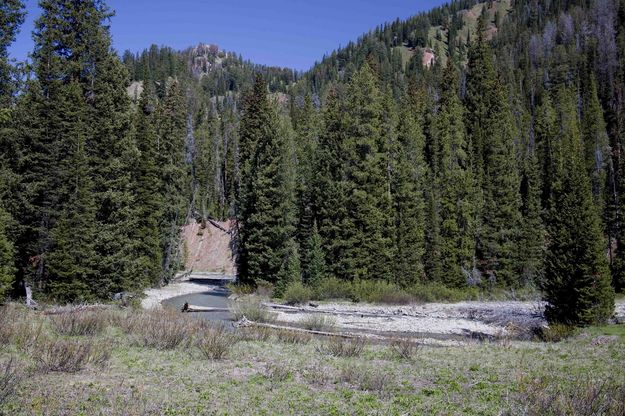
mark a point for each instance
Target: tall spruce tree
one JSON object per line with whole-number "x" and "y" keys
{"x": 596, "y": 142}
{"x": 71, "y": 263}
{"x": 455, "y": 185}
{"x": 77, "y": 110}
{"x": 330, "y": 188}
{"x": 407, "y": 184}
{"x": 266, "y": 194}
{"x": 577, "y": 278}
{"x": 11, "y": 17}
{"x": 175, "y": 181}
{"x": 368, "y": 250}
{"x": 307, "y": 132}
{"x": 532, "y": 234}
{"x": 148, "y": 200}
{"x": 492, "y": 132}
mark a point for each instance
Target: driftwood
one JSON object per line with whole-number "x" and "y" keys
{"x": 194, "y": 308}
{"x": 244, "y": 323}
{"x": 294, "y": 309}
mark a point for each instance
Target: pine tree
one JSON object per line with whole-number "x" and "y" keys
{"x": 175, "y": 182}
{"x": 148, "y": 200}
{"x": 266, "y": 195}
{"x": 11, "y": 17}
{"x": 492, "y": 132}
{"x": 7, "y": 257}
{"x": 595, "y": 139}
{"x": 546, "y": 131}
{"x": 455, "y": 185}
{"x": 290, "y": 269}
{"x": 407, "y": 184}
{"x": 577, "y": 279}
{"x": 532, "y": 238}
{"x": 77, "y": 110}
{"x": 307, "y": 131}
{"x": 316, "y": 268}
{"x": 330, "y": 188}
{"x": 72, "y": 259}
{"x": 369, "y": 207}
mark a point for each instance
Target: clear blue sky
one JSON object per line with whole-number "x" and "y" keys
{"x": 290, "y": 33}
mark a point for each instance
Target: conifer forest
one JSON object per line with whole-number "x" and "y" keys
{"x": 428, "y": 220}
{"x": 467, "y": 151}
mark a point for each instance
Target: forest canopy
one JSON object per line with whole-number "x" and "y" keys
{"x": 475, "y": 146}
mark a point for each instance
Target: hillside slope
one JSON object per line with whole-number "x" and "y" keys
{"x": 209, "y": 249}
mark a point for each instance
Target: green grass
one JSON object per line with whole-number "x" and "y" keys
{"x": 607, "y": 330}
{"x": 273, "y": 377}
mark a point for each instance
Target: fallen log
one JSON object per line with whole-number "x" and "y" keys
{"x": 194, "y": 308}
{"x": 244, "y": 323}
{"x": 287, "y": 308}
{"x": 217, "y": 225}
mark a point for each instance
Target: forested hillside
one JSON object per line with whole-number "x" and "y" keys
{"x": 476, "y": 146}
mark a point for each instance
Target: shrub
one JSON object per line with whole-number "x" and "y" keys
{"x": 581, "y": 397}
{"x": 254, "y": 333}
{"x": 296, "y": 293}
{"x": 379, "y": 291}
{"x": 265, "y": 289}
{"x": 555, "y": 332}
{"x": 277, "y": 372}
{"x": 437, "y": 292}
{"x": 292, "y": 337}
{"x": 70, "y": 355}
{"x": 10, "y": 377}
{"x": 365, "y": 378}
{"x": 318, "y": 322}
{"x": 20, "y": 327}
{"x": 331, "y": 288}
{"x": 341, "y": 347}
{"x": 162, "y": 329}
{"x": 240, "y": 289}
{"x": 404, "y": 348}
{"x": 215, "y": 343}
{"x": 251, "y": 308}
{"x": 80, "y": 323}
{"x": 373, "y": 291}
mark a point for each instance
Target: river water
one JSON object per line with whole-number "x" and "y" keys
{"x": 214, "y": 297}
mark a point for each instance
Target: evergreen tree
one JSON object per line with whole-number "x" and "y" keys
{"x": 148, "y": 200}
{"x": 330, "y": 188}
{"x": 369, "y": 207}
{"x": 290, "y": 270}
{"x": 546, "y": 132}
{"x": 407, "y": 184}
{"x": 316, "y": 269}
{"x": 171, "y": 149}
{"x": 577, "y": 280}
{"x": 455, "y": 184}
{"x": 492, "y": 132}
{"x": 7, "y": 257}
{"x": 266, "y": 196}
{"x": 307, "y": 131}
{"x": 595, "y": 139}
{"x": 11, "y": 17}
{"x": 72, "y": 259}
{"x": 532, "y": 233}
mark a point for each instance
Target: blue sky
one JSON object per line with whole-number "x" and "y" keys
{"x": 291, "y": 33}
